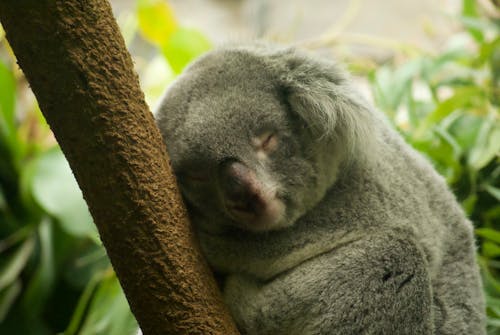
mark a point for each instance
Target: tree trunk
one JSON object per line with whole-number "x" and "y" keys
{"x": 75, "y": 60}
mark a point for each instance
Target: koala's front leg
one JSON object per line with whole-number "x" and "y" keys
{"x": 375, "y": 285}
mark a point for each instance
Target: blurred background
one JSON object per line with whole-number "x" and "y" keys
{"x": 432, "y": 67}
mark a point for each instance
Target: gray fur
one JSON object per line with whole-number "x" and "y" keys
{"x": 371, "y": 240}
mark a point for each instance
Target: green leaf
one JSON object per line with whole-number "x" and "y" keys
{"x": 8, "y": 137}
{"x": 3, "y": 201}
{"x": 82, "y": 306}
{"x": 491, "y": 284}
{"x": 469, "y": 203}
{"x": 12, "y": 265}
{"x": 390, "y": 87}
{"x": 16, "y": 237}
{"x": 487, "y": 145}
{"x": 488, "y": 233}
{"x": 465, "y": 129}
{"x": 42, "y": 282}
{"x": 491, "y": 249}
{"x": 462, "y": 98}
{"x": 8, "y": 297}
{"x": 81, "y": 269}
{"x": 417, "y": 109}
{"x": 442, "y": 150}
{"x": 494, "y": 191}
{"x": 452, "y": 56}
{"x": 493, "y": 302}
{"x": 469, "y": 10}
{"x": 450, "y": 140}
{"x": 55, "y": 189}
{"x": 7, "y": 100}
{"x": 183, "y": 46}
{"x": 492, "y": 213}
{"x": 109, "y": 312}
{"x": 494, "y": 322}
{"x": 494, "y": 60}
{"x": 156, "y": 20}
{"x": 475, "y": 23}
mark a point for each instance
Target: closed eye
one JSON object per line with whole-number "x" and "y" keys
{"x": 194, "y": 177}
{"x": 266, "y": 143}
{"x": 270, "y": 142}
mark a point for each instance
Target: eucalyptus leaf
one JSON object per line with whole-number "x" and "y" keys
{"x": 469, "y": 10}
{"x": 462, "y": 98}
{"x": 493, "y": 322}
{"x": 109, "y": 312}
{"x": 55, "y": 189}
{"x": 83, "y": 305}
{"x": 91, "y": 260}
{"x": 11, "y": 265}
{"x": 7, "y": 117}
{"x": 493, "y": 302}
{"x": 8, "y": 296}
{"x": 487, "y": 146}
{"x": 491, "y": 249}
{"x": 182, "y": 46}
{"x": 7, "y": 99}
{"x": 491, "y": 284}
{"x": 493, "y": 213}
{"x": 494, "y": 191}
{"x": 390, "y": 87}
{"x": 488, "y": 233}
{"x": 465, "y": 129}
{"x": 469, "y": 203}
{"x": 41, "y": 283}
{"x": 156, "y": 20}
{"x": 3, "y": 201}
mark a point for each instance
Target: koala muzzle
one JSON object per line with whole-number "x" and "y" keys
{"x": 242, "y": 192}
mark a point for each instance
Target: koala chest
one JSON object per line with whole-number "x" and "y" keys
{"x": 285, "y": 304}
{"x": 266, "y": 308}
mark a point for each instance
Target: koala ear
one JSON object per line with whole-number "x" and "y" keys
{"x": 320, "y": 93}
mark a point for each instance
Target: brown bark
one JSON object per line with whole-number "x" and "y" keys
{"x": 75, "y": 59}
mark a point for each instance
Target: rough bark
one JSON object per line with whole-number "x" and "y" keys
{"x": 74, "y": 57}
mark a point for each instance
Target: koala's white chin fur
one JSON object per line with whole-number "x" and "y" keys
{"x": 271, "y": 217}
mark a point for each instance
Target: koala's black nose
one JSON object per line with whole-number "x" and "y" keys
{"x": 241, "y": 190}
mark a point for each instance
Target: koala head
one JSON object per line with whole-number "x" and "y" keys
{"x": 257, "y": 135}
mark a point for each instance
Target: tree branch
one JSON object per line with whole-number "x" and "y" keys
{"x": 74, "y": 57}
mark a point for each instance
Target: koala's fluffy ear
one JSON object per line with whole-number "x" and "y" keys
{"x": 320, "y": 93}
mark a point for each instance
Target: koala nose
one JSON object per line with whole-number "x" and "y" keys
{"x": 242, "y": 191}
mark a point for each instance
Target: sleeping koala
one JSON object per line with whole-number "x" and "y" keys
{"x": 320, "y": 218}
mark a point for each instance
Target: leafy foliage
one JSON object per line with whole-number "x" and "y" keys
{"x": 179, "y": 45}
{"x": 54, "y": 274}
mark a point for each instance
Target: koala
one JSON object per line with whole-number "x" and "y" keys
{"x": 317, "y": 215}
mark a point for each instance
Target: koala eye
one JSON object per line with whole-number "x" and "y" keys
{"x": 271, "y": 142}
{"x": 266, "y": 142}
{"x": 194, "y": 177}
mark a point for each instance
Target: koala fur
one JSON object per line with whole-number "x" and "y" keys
{"x": 318, "y": 215}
